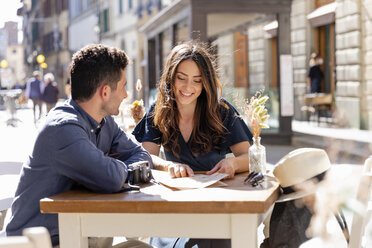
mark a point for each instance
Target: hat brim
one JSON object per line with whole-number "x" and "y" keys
{"x": 293, "y": 196}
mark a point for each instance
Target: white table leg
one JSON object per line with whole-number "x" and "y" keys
{"x": 70, "y": 234}
{"x": 244, "y": 230}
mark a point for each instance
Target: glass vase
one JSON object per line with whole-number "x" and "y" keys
{"x": 257, "y": 156}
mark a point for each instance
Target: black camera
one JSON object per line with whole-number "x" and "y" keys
{"x": 139, "y": 172}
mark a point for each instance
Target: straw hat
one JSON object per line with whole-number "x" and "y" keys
{"x": 298, "y": 167}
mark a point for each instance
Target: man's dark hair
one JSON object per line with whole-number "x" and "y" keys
{"x": 95, "y": 65}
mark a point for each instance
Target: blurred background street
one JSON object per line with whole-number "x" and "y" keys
{"x": 330, "y": 37}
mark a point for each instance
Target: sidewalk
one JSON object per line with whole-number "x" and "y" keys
{"x": 16, "y": 142}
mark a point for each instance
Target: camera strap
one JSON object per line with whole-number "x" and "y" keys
{"x": 128, "y": 187}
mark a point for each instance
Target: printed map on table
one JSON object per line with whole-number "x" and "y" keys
{"x": 195, "y": 182}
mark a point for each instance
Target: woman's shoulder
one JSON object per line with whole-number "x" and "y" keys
{"x": 226, "y": 107}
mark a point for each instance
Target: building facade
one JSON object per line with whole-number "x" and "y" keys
{"x": 15, "y": 58}
{"x": 340, "y": 31}
{"x": 125, "y": 36}
{"x": 55, "y": 39}
{"x": 255, "y": 43}
{"x": 12, "y": 31}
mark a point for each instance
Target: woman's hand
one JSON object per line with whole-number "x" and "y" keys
{"x": 224, "y": 166}
{"x": 179, "y": 170}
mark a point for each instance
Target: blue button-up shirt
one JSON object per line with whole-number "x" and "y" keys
{"x": 71, "y": 148}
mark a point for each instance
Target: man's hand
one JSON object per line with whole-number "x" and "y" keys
{"x": 180, "y": 170}
{"x": 224, "y": 166}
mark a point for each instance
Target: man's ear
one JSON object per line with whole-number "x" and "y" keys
{"x": 105, "y": 92}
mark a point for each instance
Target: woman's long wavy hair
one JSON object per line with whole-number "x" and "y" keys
{"x": 208, "y": 127}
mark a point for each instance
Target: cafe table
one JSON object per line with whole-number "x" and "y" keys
{"x": 230, "y": 212}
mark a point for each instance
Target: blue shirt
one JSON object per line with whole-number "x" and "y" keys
{"x": 71, "y": 148}
{"x": 237, "y": 131}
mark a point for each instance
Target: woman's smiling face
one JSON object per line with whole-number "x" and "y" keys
{"x": 188, "y": 83}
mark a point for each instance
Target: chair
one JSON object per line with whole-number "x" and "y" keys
{"x": 360, "y": 220}
{"x": 9, "y": 177}
{"x": 34, "y": 237}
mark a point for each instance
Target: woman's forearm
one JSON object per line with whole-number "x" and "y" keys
{"x": 241, "y": 163}
{"x": 159, "y": 164}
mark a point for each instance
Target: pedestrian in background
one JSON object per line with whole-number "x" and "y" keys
{"x": 315, "y": 74}
{"x": 51, "y": 93}
{"x": 34, "y": 91}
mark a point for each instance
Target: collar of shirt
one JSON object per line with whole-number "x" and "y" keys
{"x": 95, "y": 127}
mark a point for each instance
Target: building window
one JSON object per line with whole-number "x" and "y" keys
{"x": 182, "y": 31}
{"x": 166, "y": 45}
{"x": 104, "y": 21}
{"x": 130, "y": 4}
{"x": 75, "y": 9}
{"x": 149, "y": 7}
{"x": 48, "y": 43}
{"x": 58, "y": 6}
{"x": 120, "y": 7}
{"x": 140, "y": 8}
{"x": 35, "y": 32}
{"x": 64, "y": 4}
{"x": 47, "y": 8}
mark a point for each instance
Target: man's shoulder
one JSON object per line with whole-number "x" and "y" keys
{"x": 64, "y": 114}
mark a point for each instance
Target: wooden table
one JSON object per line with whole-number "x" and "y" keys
{"x": 230, "y": 212}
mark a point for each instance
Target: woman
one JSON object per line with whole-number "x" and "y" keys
{"x": 194, "y": 125}
{"x": 51, "y": 93}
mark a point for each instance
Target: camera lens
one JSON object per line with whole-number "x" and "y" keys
{"x": 145, "y": 174}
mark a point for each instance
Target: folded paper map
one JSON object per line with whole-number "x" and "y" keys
{"x": 194, "y": 182}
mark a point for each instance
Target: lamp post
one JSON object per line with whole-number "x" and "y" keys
{"x": 4, "y": 64}
{"x": 41, "y": 61}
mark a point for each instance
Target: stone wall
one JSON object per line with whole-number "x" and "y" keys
{"x": 349, "y": 61}
{"x": 225, "y": 59}
{"x": 300, "y": 49}
{"x": 366, "y": 111}
{"x": 256, "y": 56}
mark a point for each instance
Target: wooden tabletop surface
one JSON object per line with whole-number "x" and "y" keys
{"x": 237, "y": 197}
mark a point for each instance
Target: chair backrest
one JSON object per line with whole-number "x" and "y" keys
{"x": 9, "y": 177}
{"x": 34, "y": 237}
{"x": 10, "y": 167}
{"x": 363, "y": 194}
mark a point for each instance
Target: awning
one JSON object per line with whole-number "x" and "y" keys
{"x": 323, "y": 15}
{"x": 271, "y": 29}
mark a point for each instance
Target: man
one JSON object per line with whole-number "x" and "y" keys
{"x": 79, "y": 143}
{"x": 34, "y": 91}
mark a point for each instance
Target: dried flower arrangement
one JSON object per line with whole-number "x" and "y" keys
{"x": 257, "y": 113}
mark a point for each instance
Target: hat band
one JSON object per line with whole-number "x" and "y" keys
{"x": 291, "y": 189}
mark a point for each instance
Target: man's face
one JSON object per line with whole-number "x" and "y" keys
{"x": 117, "y": 96}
